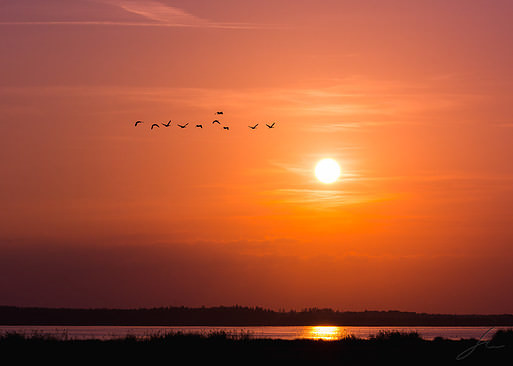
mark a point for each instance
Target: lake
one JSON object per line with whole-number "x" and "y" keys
{"x": 272, "y": 332}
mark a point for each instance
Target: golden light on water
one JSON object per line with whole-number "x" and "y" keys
{"x": 327, "y": 333}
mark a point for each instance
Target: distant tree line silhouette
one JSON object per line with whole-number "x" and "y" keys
{"x": 238, "y": 316}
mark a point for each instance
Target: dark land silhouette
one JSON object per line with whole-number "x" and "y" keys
{"x": 389, "y": 348}
{"x": 238, "y": 316}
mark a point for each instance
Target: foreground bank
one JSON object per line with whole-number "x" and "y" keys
{"x": 388, "y": 348}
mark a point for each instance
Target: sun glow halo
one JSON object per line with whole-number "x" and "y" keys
{"x": 327, "y": 170}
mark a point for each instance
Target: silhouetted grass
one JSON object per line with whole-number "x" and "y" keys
{"x": 388, "y": 347}
{"x": 503, "y": 336}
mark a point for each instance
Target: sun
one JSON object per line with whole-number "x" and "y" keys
{"x": 326, "y": 333}
{"x": 327, "y": 170}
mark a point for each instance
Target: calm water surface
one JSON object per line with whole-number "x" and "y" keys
{"x": 290, "y": 332}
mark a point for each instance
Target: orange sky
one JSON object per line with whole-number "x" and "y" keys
{"x": 413, "y": 99}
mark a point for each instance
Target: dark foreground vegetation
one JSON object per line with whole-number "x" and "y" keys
{"x": 389, "y": 348}
{"x": 239, "y": 316}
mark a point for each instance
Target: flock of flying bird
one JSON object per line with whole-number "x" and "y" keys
{"x": 201, "y": 126}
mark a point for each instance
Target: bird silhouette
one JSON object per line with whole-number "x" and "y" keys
{"x": 154, "y": 125}
{"x": 136, "y": 123}
{"x": 219, "y": 112}
{"x": 216, "y": 121}
{"x": 183, "y": 126}
{"x": 226, "y": 128}
{"x": 167, "y": 125}
{"x": 253, "y": 127}
{"x": 200, "y": 126}
{"x": 270, "y": 126}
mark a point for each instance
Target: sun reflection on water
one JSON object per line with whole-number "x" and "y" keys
{"x": 326, "y": 333}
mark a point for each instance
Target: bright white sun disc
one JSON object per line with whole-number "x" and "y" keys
{"x": 327, "y": 170}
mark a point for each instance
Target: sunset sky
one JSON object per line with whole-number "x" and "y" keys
{"x": 413, "y": 99}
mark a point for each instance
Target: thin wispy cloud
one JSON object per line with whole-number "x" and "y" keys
{"x": 351, "y": 125}
{"x": 448, "y": 188}
{"x": 95, "y": 22}
{"x": 148, "y": 14}
{"x": 322, "y": 198}
{"x": 156, "y": 11}
{"x": 167, "y": 15}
